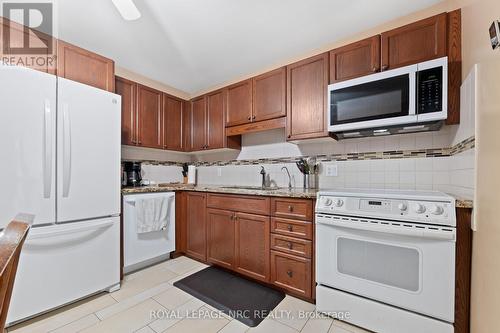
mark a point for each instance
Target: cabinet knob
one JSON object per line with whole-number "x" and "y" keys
{"x": 290, "y": 228}
{"x": 384, "y": 67}
{"x": 290, "y": 208}
{"x": 249, "y": 118}
{"x": 253, "y": 117}
{"x": 289, "y": 273}
{"x": 289, "y": 136}
{"x": 290, "y": 246}
{"x": 374, "y": 69}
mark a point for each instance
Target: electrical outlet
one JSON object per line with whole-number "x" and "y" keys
{"x": 219, "y": 172}
{"x": 331, "y": 170}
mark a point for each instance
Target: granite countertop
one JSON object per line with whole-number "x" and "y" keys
{"x": 273, "y": 192}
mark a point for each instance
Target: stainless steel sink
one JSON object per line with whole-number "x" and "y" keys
{"x": 257, "y": 188}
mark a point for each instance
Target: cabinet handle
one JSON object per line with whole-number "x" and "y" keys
{"x": 232, "y": 217}
{"x": 290, "y": 228}
{"x": 253, "y": 117}
{"x": 290, "y": 208}
{"x": 289, "y": 273}
{"x": 374, "y": 69}
{"x": 384, "y": 67}
{"x": 290, "y": 246}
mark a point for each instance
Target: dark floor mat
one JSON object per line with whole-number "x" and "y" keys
{"x": 242, "y": 299}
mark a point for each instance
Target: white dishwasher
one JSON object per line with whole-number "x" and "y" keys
{"x": 144, "y": 249}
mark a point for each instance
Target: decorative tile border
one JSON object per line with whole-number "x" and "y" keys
{"x": 392, "y": 154}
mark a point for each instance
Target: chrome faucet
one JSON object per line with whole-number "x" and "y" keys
{"x": 289, "y": 178}
{"x": 263, "y": 173}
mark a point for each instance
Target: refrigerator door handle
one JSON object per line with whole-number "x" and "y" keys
{"x": 43, "y": 235}
{"x": 66, "y": 150}
{"x": 47, "y": 147}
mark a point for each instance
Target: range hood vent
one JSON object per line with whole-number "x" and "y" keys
{"x": 393, "y": 130}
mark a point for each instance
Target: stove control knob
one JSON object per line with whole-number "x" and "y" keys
{"x": 419, "y": 208}
{"x": 436, "y": 210}
{"x": 326, "y": 201}
{"x": 402, "y": 207}
{"x": 339, "y": 202}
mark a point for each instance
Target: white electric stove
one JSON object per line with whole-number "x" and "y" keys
{"x": 387, "y": 258}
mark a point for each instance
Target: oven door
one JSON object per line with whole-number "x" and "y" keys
{"x": 411, "y": 266}
{"x": 377, "y": 100}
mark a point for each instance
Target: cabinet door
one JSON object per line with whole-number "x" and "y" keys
{"x": 414, "y": 43}
{"x": 199, "y": 121}
{"x": 215, "y": 120}
{"x": 239, "y": 103}
{"x": 77, "y": 64}
{"x": 187, "y": 118}
{"x": 128, "y": 91}
{"x": 252, "y": 246}
{"x": 307, "y": 83}
{"x": 196, "y": 244}
{"x": 149, "y": 114}
{"x": 172, "y": 123}
{"x": 220, "y": 237}
{"x": 269, "y": 95}
{"x": 355, "y": 60}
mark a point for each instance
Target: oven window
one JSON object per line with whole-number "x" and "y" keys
{"x": 389, "y": 265}
{"x": 369, "y": 101}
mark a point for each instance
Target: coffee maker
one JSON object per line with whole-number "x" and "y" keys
{"x": 132, "y": 173}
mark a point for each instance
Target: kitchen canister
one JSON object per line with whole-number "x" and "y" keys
{"x": 191, "y": 177}
{"x": 310, "y": 180}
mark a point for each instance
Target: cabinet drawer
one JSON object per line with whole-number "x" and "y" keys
{"x": 291, "y": 245}
{"x": 244, "y": 204}
{"x": 294, "y": 228}
{"x": 293, "y": 208}
{"x": 291, "y": 273}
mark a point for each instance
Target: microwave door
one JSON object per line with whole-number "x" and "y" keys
{"x": 377, "y": 100}
{"x": 432, "y": 90}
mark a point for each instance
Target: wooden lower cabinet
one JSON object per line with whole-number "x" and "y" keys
{"x": 252, "y": 245}
{"x": 220, "y": 237}
{"x": 196, "y": 242}
{"x": 292, "y": 273}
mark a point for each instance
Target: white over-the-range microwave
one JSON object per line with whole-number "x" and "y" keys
{"x": 403, "y": 100}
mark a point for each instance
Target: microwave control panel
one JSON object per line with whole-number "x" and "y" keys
{"x": 430, "y": 90}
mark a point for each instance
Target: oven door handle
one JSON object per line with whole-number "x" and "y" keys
{"x": 394, "y": 230}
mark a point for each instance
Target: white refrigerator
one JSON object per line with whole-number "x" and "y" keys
{"x": 60, "y": 161}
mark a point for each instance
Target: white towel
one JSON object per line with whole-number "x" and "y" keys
{"x": 153, "y": 214}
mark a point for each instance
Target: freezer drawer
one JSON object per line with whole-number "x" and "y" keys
{"x": 62, "y": 263}
{"x": 140, "y": 250}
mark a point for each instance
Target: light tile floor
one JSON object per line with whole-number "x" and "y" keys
{"x": 151, "y": 289}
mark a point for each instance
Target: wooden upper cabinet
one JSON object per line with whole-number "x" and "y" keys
{"x": 413, "y": 43}
{"x": 253, "y": 246}
{"x": 77, "y": 64}
{"x": 239, "y": 103}
{"x": 186, "y": 126}
{"x": 149, "y": 108}
{"x": 128, "y": 91}
{"x": 355, "y": 60}
{"x": 196, "y": 228}
{"x": 172, "y": 123}
{"x": 220, "y": 237}
{"x": 269, "y": 95}
{"x": 215, "y": 120}
{"x": 198, "y": 121}
{"x": 307, "y": 83}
